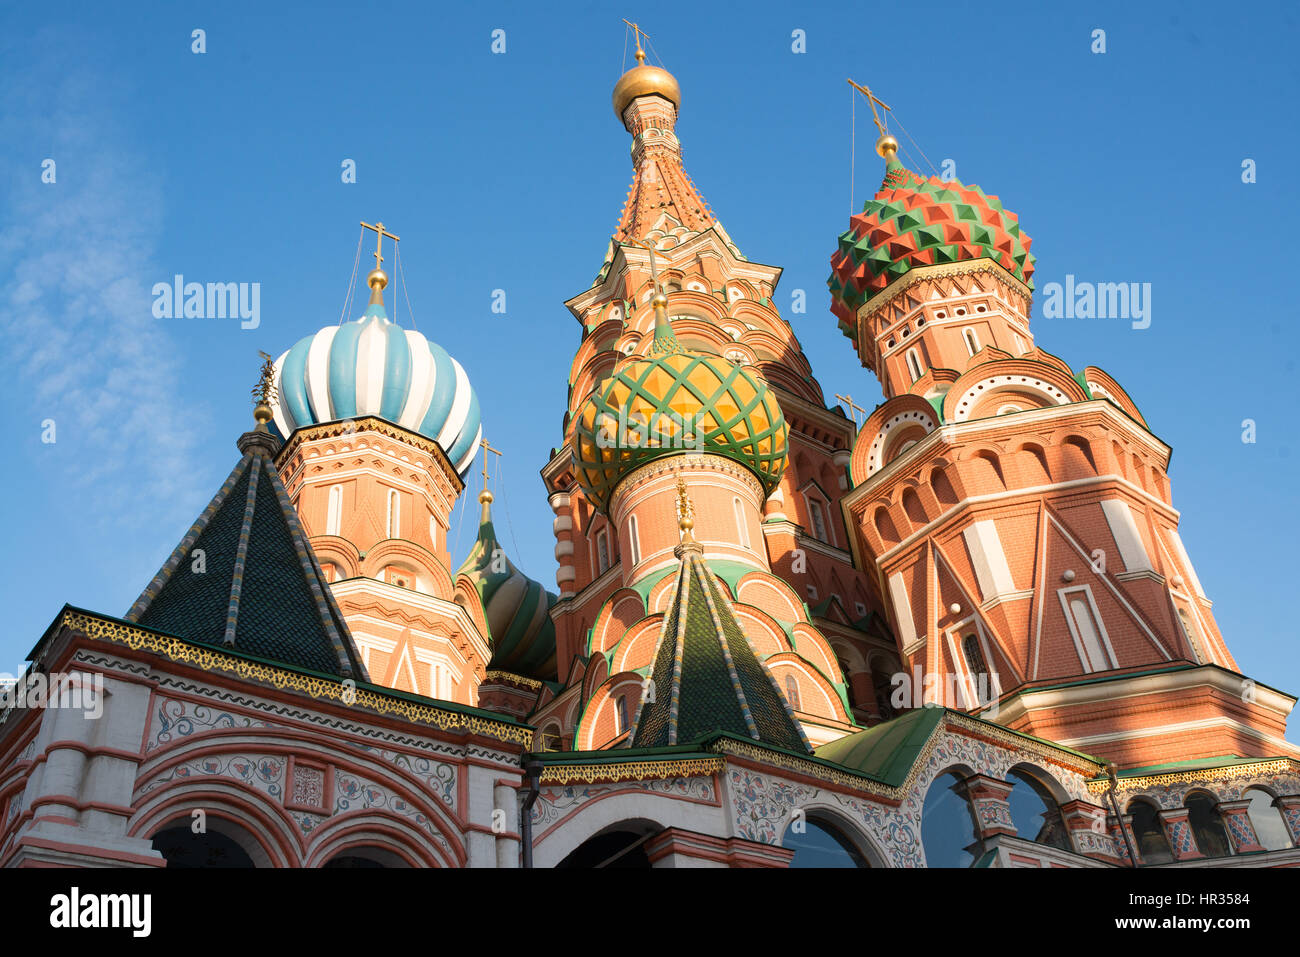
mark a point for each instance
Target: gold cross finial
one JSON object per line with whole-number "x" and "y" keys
{"x": 685, "y": 511}
{"x": 873, "y": 100}
{"x": 854, "y": 408}
{"x": 640, "y": 54}
{"x": 380, "y": 233}
{"x": 265, "y": 392}
{"x": 486, "y": 449}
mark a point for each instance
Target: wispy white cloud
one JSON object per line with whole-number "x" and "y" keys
{"x": 76, "y": 261}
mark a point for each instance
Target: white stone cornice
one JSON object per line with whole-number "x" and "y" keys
{"x": 1107, "y": 691}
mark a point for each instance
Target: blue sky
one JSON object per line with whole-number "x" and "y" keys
{"x": 508, "y": 171}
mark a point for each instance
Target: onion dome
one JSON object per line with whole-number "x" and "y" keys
{"x": 521, "y": 632}
{"x": 921, "y": 222}
{"x": 372, "y": 366}
{"x": 676, "y": 401}
{"x": 645, "y": 80}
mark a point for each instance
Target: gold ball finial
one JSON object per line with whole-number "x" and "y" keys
{"x": 657, "y": 300}
{"x": 262, "y": 413}
{"x": 887, "y": 146}
{"x": 686, "y": 523}
{"x": 485, "y": 497}
{"x": 377, "y": 278}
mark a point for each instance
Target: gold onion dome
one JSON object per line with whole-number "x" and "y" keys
{"x": 674, "y": 401}
{"x": 645, "y": 80}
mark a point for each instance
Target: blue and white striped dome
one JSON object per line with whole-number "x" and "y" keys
{"x": 374, "y": 367}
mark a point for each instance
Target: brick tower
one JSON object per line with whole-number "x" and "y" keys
{"x": 381, "y": 425}
{"x": 1017, "y": 513}
{"x": 679, "y": 323}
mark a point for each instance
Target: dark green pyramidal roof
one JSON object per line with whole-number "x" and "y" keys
{"x": 518, "y": 609}
{"x": 706, "y": 675}
{"x": 245, "y": 577}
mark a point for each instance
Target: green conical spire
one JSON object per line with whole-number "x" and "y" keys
{"x": 665, "y": 341}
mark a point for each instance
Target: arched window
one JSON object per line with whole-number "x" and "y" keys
{"x": 819, "y": 844}
{"x": 602, "y": 551}
{"x": 394, "y": 513}
{"x": 980, "y": 684}
{"x": 817, "y": 517}
{"x": 792, "y": 693}
{"x": 552, "y": 740}
{"x": 1035, "y": 812}
{"x": 742, "y": 528}
{"x": 884, "y": 690}
{"x": 948, "y": 831}
{"x": 914, "y": 364}
{"x": 970, "y": 646}
{"x": 622, "y": 717}
{"x": 972, "y": 340}
{"x": 1270, "y": 829}
{"x": 1207, "y": 825}
{"x": 1149, "y": 833}
{"x": 634, "y": 539}
{"x": 848, "y": 683}
{"x": 334, "y": 514}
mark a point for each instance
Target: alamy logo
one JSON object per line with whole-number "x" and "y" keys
{"x": 1098, "y": 300}
{"x": 659, "y": 430}
{"x": 74, "y": 909}
{"x": 179, "y": 299}
{"x": 933, "y": 690}
{"x": 34, "y": 689}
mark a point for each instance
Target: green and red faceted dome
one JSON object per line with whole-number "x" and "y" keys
{"x": 913, "y": 221}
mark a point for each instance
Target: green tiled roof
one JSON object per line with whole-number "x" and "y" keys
{"x": 245, "y": 578}
{"x": 706, "y": 675}
{"x": 1194, "y": 764}
{"x": 887, "y": 751}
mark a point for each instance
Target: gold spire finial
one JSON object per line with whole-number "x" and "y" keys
{"x": 644, "y": 80}
{"x": 265, "y": 393}
{"x": 378, "y": 279}
{"x": 485, "y": 497}
{"x": 685, "y": 512}
{"x": 886, "y": 145}
{"x": 640, "y": 54}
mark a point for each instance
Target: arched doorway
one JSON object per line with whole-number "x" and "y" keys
{"x": 1034, "y": 810}
{"x": 948, "y": 831}
{"x": 622, "y": 847}
{"x": 818, "y": 843}
{"x": 182, "y": 848}
{"x": 1153, "y": 845}
{"x": 365, "y": 856}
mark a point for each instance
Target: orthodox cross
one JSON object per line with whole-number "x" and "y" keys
{"x": 486, "y": 449}
{"x": 853, "y": 408}
{"x": 874, "y": 101}
{"x": 640, "y": 54}
{"x": 265, "y": 391}
{"x": 654, "y": 273}
{"x": 380, "y": 233}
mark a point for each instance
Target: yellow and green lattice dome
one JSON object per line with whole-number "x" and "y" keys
{"x": 676, "y": 401}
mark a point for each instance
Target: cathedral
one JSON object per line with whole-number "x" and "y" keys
{"x": 963, "y": 632}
